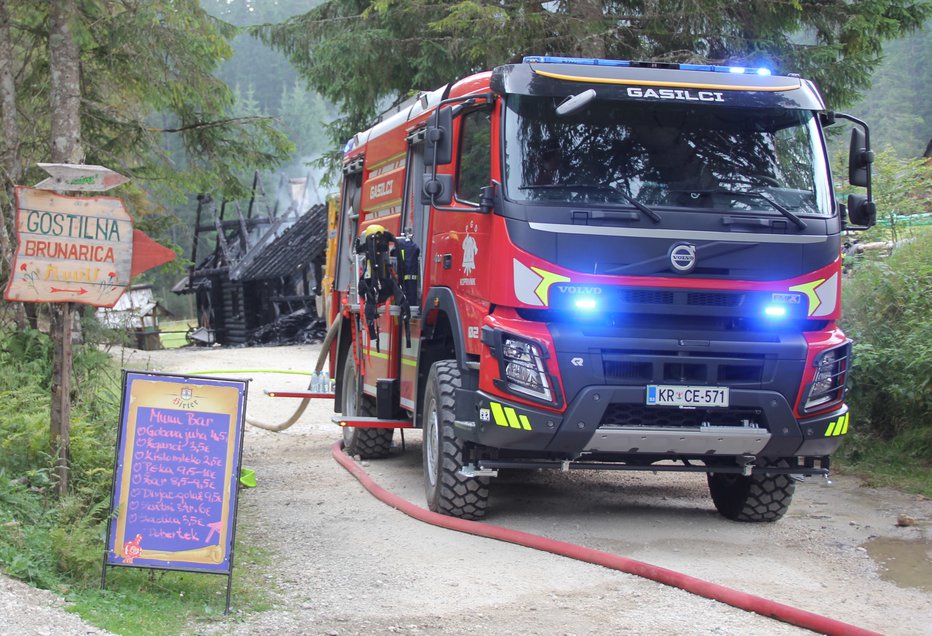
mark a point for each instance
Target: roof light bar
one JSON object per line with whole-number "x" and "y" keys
{"x": 588, "y": 61}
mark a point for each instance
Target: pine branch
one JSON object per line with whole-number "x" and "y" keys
{"x": 211, "y": 124}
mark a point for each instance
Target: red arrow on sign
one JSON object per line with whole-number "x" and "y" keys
{"x": 73, "y": 291}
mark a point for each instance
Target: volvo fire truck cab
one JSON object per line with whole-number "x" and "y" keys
{"x": 598, "y": 264}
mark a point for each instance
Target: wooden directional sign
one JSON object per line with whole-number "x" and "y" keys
{"x": 80, "y": 178}
{"x": 70, "y": 249}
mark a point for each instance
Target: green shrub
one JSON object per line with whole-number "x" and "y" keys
{"x": 51, "y": 542}
{"x": 888, "y": 313}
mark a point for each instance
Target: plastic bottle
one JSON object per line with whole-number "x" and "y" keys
{"x": 315, "y": 382}
{"x": 325, "y": 381}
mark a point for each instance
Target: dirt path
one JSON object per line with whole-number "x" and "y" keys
{"x": 347, "y": 564}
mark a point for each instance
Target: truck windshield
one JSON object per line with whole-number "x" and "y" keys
{"x": 666, "y": 155}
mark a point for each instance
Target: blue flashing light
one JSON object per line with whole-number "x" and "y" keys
{"x": 349, "y": 145}
{"x": 586, "y": 304}
{"x": 590, "y": 61}
{"x": 775, "y": 311}
{"x": 586, "y": 61}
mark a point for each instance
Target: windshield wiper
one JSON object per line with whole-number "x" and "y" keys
{"x": 656, "y": 218}
{"x": 798, "y": 222}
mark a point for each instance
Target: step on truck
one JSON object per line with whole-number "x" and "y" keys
{"x": 598, "y": 264}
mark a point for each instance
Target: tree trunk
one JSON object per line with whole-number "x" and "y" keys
{"x": 9, "y": 137}
{"x": 65, "y": 70}
{"x": 10, "y": 164}
{"x": 65, "y": 103}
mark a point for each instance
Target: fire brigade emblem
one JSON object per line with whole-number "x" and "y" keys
{"x": 470, "y": 249}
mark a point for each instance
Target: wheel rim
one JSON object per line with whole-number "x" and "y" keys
{"x": 432, "y": 443}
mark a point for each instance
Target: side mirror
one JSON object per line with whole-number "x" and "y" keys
{"x": 438, "y": 142}
{"x": 860, "y": 158}
{"x": 861, "y": 210}
{"x": 437, "y": 190}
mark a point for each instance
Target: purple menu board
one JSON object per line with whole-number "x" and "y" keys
{"x": 177, "y": 468}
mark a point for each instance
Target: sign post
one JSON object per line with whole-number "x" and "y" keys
{"x": 178, "y": 456}
{"x": 74, "y": 250}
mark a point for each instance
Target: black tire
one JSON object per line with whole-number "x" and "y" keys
{"x": 448, "y": 492}
{"x": 368, "y": 443}
{"x": 759, "y": 497}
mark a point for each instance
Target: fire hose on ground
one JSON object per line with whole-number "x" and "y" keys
{"x": 691, "y": 584}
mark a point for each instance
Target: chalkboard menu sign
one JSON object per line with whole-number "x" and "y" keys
{"x": 177, "y": 467}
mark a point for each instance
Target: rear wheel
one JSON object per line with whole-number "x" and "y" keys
{"x": 448, "y": 492}
{"x": 760, "y": 496}
{"x": 368, "y": 443}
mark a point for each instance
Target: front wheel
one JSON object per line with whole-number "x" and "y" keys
{"x": 368, "y": 443}
{"x": 448, "y": 491}
{"x": 760, "y": 496}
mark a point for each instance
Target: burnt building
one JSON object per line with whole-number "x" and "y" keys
{"x": 260, "y": 269}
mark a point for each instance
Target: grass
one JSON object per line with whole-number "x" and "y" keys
{"x": 41, "y": 543}
{"x": 172, "y": 334}
{"x": 141, "y": 602}
{"x": 890, "y": 464}
{"x": 58, "y": 544}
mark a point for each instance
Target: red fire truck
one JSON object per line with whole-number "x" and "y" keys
{"x": 598, "y": 264}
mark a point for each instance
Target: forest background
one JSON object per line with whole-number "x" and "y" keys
{"x": 189, "y": 97}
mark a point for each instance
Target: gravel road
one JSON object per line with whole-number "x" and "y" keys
{"x": 344, "y": 563}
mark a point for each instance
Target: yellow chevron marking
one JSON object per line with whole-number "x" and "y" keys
{"x": 838, "y": 427}
{"x": 508, "y": 417}
{"x": 809, "y": 290}
{"x": 632, "y": 82}
{"x": 525, "y": 423}
{"x": 498, "y": 413}
{"x": 549, "y": 278}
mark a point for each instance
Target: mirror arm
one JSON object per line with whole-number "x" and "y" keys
{"x": 867, "y": 155}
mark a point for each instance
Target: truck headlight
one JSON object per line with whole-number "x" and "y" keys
{"x": 828, "y": 383}
{"x": 524, "y": 370}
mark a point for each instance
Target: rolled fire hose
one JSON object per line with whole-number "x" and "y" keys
{"x": 693, "y": 585}
{"x": 324, "y": 351}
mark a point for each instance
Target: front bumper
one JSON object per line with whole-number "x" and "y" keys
{"x": 613, "y": 420}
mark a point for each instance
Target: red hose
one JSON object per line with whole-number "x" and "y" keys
{"x": 741, "y": 600}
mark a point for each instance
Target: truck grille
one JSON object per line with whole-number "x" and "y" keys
{"x": 631, "y": 367}
{"x": 695, "y": 299}
{"x": 634, "y": 415}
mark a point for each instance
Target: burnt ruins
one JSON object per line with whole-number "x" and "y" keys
{"x": 259, "y": 281}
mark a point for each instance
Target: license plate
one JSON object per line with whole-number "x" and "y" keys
{"x": 687, "y": 396}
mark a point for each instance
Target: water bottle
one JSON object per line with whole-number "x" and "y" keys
{"x": 325, "y": 381}
{"x": 315, "y": 382}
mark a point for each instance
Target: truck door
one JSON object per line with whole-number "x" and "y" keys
{"x": 415, "y": 221}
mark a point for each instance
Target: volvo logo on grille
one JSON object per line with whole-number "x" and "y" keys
{"x": 683, "y": 257}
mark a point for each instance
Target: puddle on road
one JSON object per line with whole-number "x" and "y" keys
{"x": 904, "y": 563}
